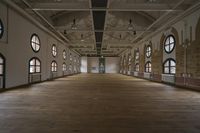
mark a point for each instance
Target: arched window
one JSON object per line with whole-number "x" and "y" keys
{"x": 148, "y": 51}
{"x": 70, "y": 67}
{"x": 169, "y": 66}
{"x": 70, "y": 56}
{"x": 1, "y": 29}
{"x": 75, "y": 59}
{"x": 137, "y": 67}
{"x": 137, "y": 54}
{"x": 54, "y": 50}
{"x": 64, "y": 67}
{"x": 1, "y": 65}
{"x": 64, "y": 54}
{"x": 34, "y": 65}
{"x": 54, "y": 66}
{"x": 169, "y": 44}
{"x": 35, "y": 43}
{"x": 148, "y": 67}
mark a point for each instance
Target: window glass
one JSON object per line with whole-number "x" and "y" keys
{"x": 148, "y": 51}
{"x": 137, "y": 67}
{"x": 169, "y": 44}
{"x": 1, "y": 29}
{"x": 34, "y": 66}
{"x": 148, "y": 67}
{"x": 64, "y": 67}
{"x": 64, "y": 54}
{"x": 54, "y": 50}
{"x": 53, "y": 66}
{"x": 1, "y": 60}
{"x": 169, "y": 66}
{"x": 35, "y": 43}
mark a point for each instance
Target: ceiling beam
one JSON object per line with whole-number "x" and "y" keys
{"x": 120, "y": 7}
{"x": 157, "y": 21}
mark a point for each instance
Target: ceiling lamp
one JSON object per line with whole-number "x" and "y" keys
{"x": 130, "y": 26}
{"x": 65, "y": 32}
{"x": 82, "y": 39}
{"x": 74, "y": 25}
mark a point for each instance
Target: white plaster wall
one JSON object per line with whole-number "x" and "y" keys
{"x": 84, "y": 66}
{"x": 112, "y": 64}
{"x": 17, "y": 49}
{"x": 93, "y": 64}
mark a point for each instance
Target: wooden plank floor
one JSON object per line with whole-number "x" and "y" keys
{"x": 95, "y": 103}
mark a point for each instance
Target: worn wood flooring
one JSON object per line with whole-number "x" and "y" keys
{"x": 99, "y": 103}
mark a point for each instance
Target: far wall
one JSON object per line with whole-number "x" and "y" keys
{"x": 92, "y": 65}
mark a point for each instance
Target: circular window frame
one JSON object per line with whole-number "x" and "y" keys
{"x": 148, "y": 46}
{"x": 64, "y": 54}
{"x": 168, "y": 52}
{"x": 34, "y": 34}
{"x": 2, "y": 29}
{"x": 52, "y": 51}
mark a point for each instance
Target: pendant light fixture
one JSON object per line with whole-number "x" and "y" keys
{"x": 74, "y": 25}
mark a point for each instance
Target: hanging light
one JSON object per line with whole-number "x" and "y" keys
{"x": 130, "y": 26}
{"x": 65, "y": 32}
{"x": 74, "y": 25}
{"x": 82, "y": 39}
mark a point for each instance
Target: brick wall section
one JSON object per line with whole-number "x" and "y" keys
{"x": 157, "y": 65}
{"x": 179, "y": 55}
{"x": 142, "y": 62}
{"x": 193, "y": 59}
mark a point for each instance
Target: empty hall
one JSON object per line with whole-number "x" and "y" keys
{"x": 99, "y": 66}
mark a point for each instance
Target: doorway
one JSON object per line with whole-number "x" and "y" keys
{"x": 2, "y": 71}
{"x": 101, "y": 65}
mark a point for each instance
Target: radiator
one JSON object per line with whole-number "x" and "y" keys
{"x": 168, "y": 78}
{"x": 34, "y": 78}
{"x": 147, "y": 75}
{"x": 135, "y": 74}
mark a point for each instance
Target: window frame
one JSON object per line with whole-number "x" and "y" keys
{"x": 31, "y": 42}
{"x": 64, "y": 70}
{"x": 137, "y": 69}
{"x": 54, "y": 51}
{"x": 2, "y": 29}
{"x": 148, "y": 52}
{"x": 55, "y": 66}
{"x": 137, "y": 55}
{"x": 64, "y": 54}
{"x": 35, "y": 66}
{"x": 169, "y": 36}
{"x": 148, "y": 67}
{"x": 169, "y": 66}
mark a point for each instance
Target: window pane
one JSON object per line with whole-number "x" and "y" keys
{"x": 171, "y": 47}
{"x": 1, "y": 69}
{"x": 37, "y": 47}
{"x": 166, "y": 63}
{"x": 167, "y": 41}
{"x": 32, "y": 62}
{"x": 38, "y": 69}
{"x": 150, "y": 69}
{"x": 35, "y": 43}
{"x": 37, "y": 62}
{"x": 171, "y": 39}
{"x": 173, "y": 70}
{"x": 32, "y": 69}
{"x": 166, "y": 70}
{"x": 173, "y": 63}
{"x": 1, "y": 60}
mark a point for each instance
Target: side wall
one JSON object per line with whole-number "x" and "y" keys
{"x": 186, "y": 54}
{"x": 15, "y": 47}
